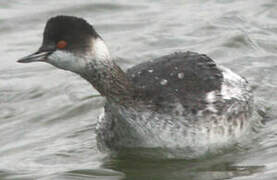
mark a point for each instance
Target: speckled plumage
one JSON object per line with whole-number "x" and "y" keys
{"x": 189, "y": 111}
{"x": 185, "y": 76}
{"x": 182, "y": 101}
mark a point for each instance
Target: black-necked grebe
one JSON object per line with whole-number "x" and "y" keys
{"x": 178, "y": 101}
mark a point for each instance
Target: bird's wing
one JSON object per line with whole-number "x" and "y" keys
{"x": 185, "y": 77}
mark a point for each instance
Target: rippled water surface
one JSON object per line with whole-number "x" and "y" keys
{"x": 48, "y": 116}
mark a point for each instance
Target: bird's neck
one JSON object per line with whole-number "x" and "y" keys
{"x": 110, "y": 81}
{"x": 107, "y": 77}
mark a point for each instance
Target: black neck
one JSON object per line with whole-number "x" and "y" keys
{"x": 110, "y": 81}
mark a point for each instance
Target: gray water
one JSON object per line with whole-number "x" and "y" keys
{"x": 48, "y": 116}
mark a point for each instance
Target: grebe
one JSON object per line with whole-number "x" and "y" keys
{"x": 178, "y": 101}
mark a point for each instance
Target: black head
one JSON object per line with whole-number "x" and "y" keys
{"x": 66, "y": 34}
{"x": 74, "y": 31}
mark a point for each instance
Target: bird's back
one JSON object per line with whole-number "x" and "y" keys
{"x": 183, "y": 77}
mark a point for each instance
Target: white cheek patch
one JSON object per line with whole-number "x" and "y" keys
{"x": 67, "y": 61}
{"x": 98, "y": 56}
{"x": 100, "y": 50}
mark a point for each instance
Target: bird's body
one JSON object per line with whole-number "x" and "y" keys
{"x": 179, "y": 101}
{"x": 189, "y": 103}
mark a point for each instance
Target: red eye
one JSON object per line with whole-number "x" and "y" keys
{"x": 61, "y": 44}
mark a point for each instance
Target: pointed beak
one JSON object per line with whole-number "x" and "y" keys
{"x": 40, "y": 55}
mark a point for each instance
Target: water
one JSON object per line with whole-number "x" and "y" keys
{"x": 48, "y": 116}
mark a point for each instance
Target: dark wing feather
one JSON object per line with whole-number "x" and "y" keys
{"x": 189, "y": 77}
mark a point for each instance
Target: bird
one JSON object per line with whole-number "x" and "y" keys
{"x": 182, "y": 100}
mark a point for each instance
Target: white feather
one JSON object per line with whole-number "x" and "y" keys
{"x": 232, "y": 85}
{"x": 77, "y": 63}
{"x": 100, "y": 50}
{"x": 210, "y": 99}
{"x": 67, "y": 61}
